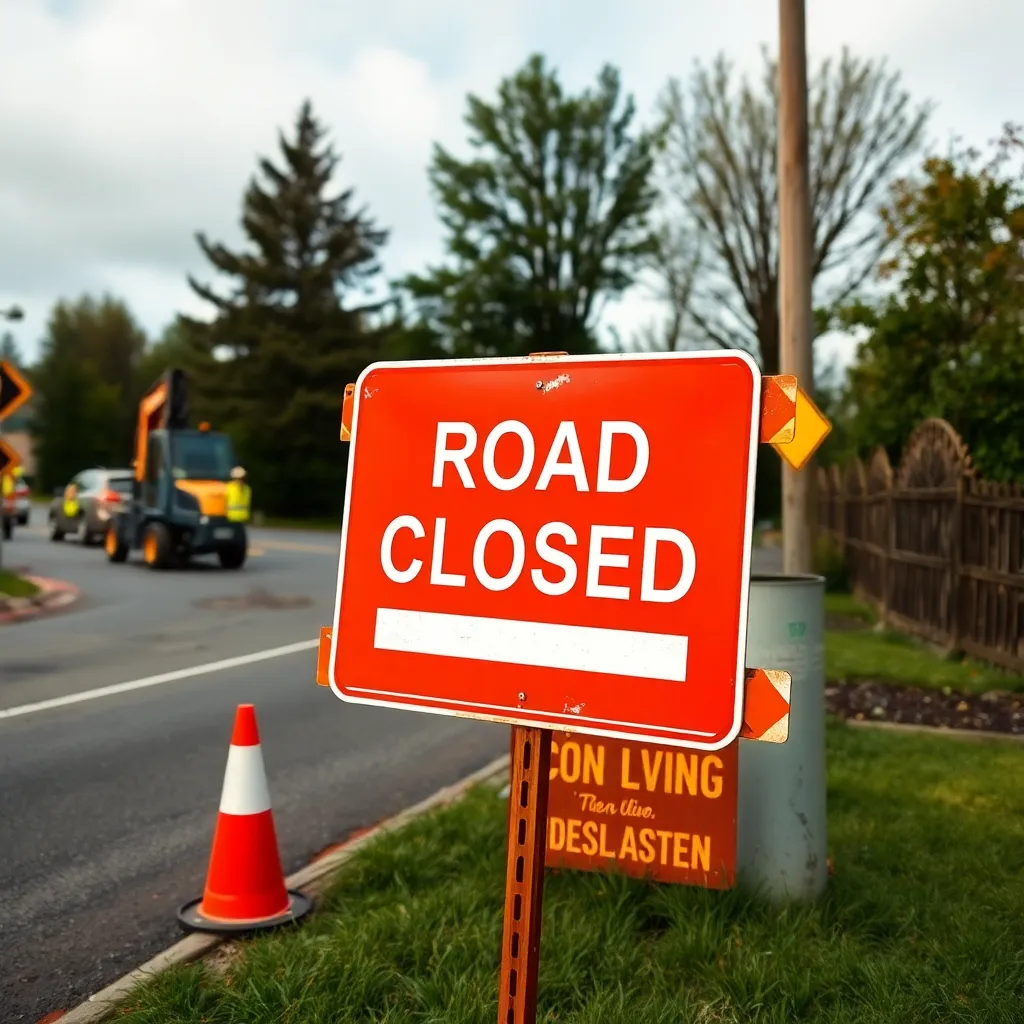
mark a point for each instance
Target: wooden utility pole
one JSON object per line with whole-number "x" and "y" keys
{"x": 795, "y": 242}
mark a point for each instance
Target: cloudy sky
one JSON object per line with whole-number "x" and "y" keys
{"x": 126, "y": 125}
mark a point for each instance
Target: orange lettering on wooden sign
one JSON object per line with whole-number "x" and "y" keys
{"x": 645, "y": 810}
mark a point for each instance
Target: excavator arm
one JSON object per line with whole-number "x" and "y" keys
{"x": 164, "y": 407}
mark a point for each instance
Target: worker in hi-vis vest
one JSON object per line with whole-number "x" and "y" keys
{"x": 8, "y": 484}
{"x": 238, "y": 496}
{"x": 70, "y": 501}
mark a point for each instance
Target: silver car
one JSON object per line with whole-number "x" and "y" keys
{"x": 101, "y": 493}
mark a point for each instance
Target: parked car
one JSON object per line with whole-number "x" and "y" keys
{"x": 101, "y": 493}
{"x": 7, "y": 516}
{"x": 22, "y": 501}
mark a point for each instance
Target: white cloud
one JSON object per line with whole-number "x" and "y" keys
{"x": 126, "y": 126}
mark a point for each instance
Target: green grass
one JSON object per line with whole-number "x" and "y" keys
{"x": 893, "y": 657}
{"x": 924, "y": 920}
{"x": 848, "y": 607}
{"x": 15, "y": 586}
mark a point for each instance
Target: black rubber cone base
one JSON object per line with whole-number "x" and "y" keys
{"x": 192, "y": 920}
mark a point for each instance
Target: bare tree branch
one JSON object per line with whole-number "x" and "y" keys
{"x": 719, "y": 169}
{"x": 674, "y": 264}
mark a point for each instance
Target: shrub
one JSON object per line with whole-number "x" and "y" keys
{"x": 829, "y": 561}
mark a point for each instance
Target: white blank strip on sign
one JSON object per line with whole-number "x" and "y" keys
{"x": 618, "y": 652}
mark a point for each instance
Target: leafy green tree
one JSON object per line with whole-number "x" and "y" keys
{"x": 111, "y": 338}
{"x": 172, "y": 349}
{"x": 82, "y": 414}
{"x": 546, "y": 221}
{"x": 272, "y": 365}
{"x": 949, "y": 341}
{"x": 83, "y": 408}
{"x": 410, "y": 336}
{"x": 721, "y": 182}
{"x": 832, "y": 396}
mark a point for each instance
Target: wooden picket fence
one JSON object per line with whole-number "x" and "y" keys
{"x": 935, "y": 548}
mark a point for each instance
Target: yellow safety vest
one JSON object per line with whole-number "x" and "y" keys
{"x": 238, "y": 497}
{"x": 8, "y": 485}
{"x": 70, "y": 502}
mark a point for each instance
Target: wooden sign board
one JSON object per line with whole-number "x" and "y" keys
{"x": 644, "y": 810}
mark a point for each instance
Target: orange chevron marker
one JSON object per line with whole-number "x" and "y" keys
{"x": 766, "y": 705}
{"x": 778, "y": 409}
{"x": 323, "y": 657}
{"x": 812, "y": 427}
{"x": 347, "y": 402}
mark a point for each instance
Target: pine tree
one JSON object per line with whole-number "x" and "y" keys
{"x": 272, "y": 366}
{"x": 80, "y": 412}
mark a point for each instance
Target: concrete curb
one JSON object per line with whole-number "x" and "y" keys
{"x": 312, "y": 879}
{"x": 53, "y": 595}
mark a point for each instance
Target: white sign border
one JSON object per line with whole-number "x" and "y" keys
{"x": 510, "y": 717}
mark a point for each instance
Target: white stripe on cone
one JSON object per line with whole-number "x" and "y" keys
{"x": 245, "y": 782}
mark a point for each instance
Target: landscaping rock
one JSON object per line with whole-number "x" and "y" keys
{"x": 995, "y": 711}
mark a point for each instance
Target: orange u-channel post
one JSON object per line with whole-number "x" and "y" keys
{"x": 524, "y": 875}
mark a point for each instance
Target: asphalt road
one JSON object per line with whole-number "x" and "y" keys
{"x": 107, "y": 805}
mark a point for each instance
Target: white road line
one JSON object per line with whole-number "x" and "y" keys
{"x": 164, "y": 677}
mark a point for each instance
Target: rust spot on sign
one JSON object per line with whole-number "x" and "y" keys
{"x": 545, "y": 386}
{"x": 778, "y": 409}
{"x": 323, "y": 657}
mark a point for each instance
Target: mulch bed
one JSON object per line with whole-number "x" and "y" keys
{"x": 995, "y": 711}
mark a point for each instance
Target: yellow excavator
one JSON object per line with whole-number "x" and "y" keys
{"x": 182, "y": 484}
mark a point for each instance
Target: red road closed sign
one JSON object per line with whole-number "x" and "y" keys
{"x": 559, "y": 543}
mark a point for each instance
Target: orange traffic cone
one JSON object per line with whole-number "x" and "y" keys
{"x": 245, "y": 887}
